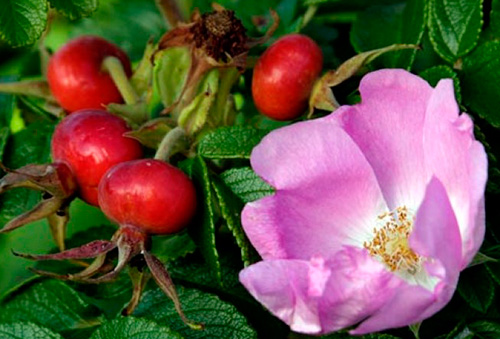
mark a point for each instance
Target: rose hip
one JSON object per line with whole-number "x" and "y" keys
{"x": 284, "y": 76}
{"x": 76, "y": 76}
{"x": 149, "y": 194}
{"x": 90, "y": 142}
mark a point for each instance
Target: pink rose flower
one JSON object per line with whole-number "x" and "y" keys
{"x": 378, "y": 207}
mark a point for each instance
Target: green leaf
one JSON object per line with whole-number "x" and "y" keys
{"x": 133, "y": 328}
{"x": 479, "y": 81}
{"x": 31, "y": 145}
{"x": 151, "y": 133}
{"x": 436, "y": 73}
{"x": 4, "y": 135}
{"x": 6, "y": 107}
{"x": 25, "y": 330}
{"x": 367, "y": 336}
{"x": 221, "y": 320}
{"x": 246, "y": 184}
{"x": 194, "y": 116}
{"x": 495, "y": 18}
{"x": 459, "y": 332}
{"x": 193, "y": 271}
{"x": 22, "y": 21}
{"x": 230, "y": 207}
{"x": 111, "y": 298}
{"x": 129, "y": 24}
{"x": 174, "y": 246}
{"x": 170, "y": 73}
{"x": 486, "y": 329}
{"x": 381, "y": 26}
{"x": 235, "y": 142}
{"x": 49, "y": 303}
{"x": 477, "y": 288}
{"x": 202, "y": 229}
{"x": 75, "y": 9}
{"x": 479, "y": 329}
{"x": 454, "y": 26}
{"x": 494, "y": 270}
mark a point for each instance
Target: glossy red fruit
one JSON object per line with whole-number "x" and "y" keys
{"x": 90, "y": 142}
{"x": 149, "y": 194}
{"x": 284, "y": 76}
{"x": 76, "y": 77}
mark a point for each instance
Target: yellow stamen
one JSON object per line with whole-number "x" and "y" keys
{"x": 390, "y": 242}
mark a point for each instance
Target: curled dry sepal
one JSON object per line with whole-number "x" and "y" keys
{"x": 378, "y": 207}
{"x": 59, "y": 188}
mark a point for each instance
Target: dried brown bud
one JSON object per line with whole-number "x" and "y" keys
{"x": 220, "y": 34}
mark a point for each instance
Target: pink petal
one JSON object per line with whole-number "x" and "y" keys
{"x": 327, "y": 193}
{"x": 459, "y": 161}
{"x": 388, "y": 128}
{"x": 317, "y": 297}
{"x": 282, "y": 286}
{"x": 436, "y": 236}
{"x": 409, "y": 306}
{"x": 435, "y": 233}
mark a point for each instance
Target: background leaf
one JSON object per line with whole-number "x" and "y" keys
{"x": 26, "y": 330}
{"x": 454, "y": 26}
{"x": 129, "y": 24}
{"x": 481, "y": 70}
{"x": 381, "y": 26}
{"x": 22, "y": 21}
{"x": 230, "y": 207}
{"x": 477, "y": 288}
{"x": 133, "y": 328}
{"x": 234, "y": 142}
{"x": 221, "y": 319}
{"x": 49, "y": 303}
{"x": 174, "y": 246}
{"x": 75, "y": 9}
{"x": 4, "y": 135}
{"x": 31, "y": 145}
{"x": 202, "y": 228}
{"x": 436, "y": 73}
{"x": 246, "y": 184}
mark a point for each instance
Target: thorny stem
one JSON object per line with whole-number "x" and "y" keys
{"x": 114, "y": 67}
{"x": 169, "y": 142}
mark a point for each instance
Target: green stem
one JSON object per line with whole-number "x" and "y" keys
{"x": 311, "y": 10}
{"x": 36, "y": 88}
{"x": 338, "y": 18}
{"x": 114, "y": 67}
{"x": 169, "y": 142}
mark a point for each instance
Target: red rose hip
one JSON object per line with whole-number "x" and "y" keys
{"x": 76, "y": 76}
{"x": 284, "y": 76}
{"x": 148, "y": 194}
{"x": 90, "y": 142}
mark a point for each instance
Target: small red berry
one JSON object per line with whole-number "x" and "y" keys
{"x": 149, "y": 194}
{"x": 76, "y": 76}
{"x": 90, "y": 142}
{"x": 284, "y": 76}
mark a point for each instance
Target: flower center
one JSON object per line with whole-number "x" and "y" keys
{"x": 390, "y": 242}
